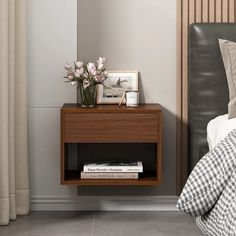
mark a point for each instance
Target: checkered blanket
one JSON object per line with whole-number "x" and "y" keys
{"x": 210, "y": 192}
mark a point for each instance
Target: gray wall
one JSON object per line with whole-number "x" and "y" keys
{"x": 137, "y": 35}
{"x": 52, "y": 41}
{"x": 132, "y": 34}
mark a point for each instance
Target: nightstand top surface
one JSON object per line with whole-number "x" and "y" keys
{"x": 112, "y": 108}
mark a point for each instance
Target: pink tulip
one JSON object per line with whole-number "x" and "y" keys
{"x": 92, "y": 68}
{"x": 101, "y": 60}
{"x": 80, "y": 71}
{"x": 70, "y": 72}
{"x": 79, "y": 64}
{"x": 70, "y": 77}
{"x": 73, "y": 83}
{"x": 68, "y": 67}
{"x": 97, "y": 78}
{"x": 86, "y": 83}
{"x": 105, "y": 73}
{"x": 100, "y": 66}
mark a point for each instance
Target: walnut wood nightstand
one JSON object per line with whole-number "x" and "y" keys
{"x": 109, "y": 132}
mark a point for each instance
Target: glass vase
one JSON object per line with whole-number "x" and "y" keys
{"x": 88, "y": 95}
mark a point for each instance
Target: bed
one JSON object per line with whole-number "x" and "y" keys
{"x": 208, "y": 89}
{"x": 210, "y": 192}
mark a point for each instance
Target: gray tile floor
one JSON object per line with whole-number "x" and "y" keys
{"x": 120, "y": 223}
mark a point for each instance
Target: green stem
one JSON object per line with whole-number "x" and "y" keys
{"x": 88, "y": 95}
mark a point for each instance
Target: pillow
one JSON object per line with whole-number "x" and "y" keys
{"x": 228, "y": 52}
{"x": 213, "y": 128}
{"x": 209, "y": 178}
{"x": 218, "y": 128}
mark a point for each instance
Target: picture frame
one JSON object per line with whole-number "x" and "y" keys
{"x": 115, "y": 85}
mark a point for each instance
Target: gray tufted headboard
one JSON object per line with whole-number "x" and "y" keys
{"x": 208, "y": 89}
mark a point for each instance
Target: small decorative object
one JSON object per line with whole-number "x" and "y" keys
{"x": 87, "y": 76}
{"x": 115, "y": 85}
{"x": 132, "y": 98}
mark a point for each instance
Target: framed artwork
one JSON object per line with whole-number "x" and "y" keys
{"x": 115, "y": 85}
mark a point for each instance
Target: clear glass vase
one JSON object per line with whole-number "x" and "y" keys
{"x": 88, "y": 95}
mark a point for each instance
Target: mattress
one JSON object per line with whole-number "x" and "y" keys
{"x": 218, "y": 128}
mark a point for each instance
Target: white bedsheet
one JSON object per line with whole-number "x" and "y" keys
{"x": 218, "y": 128}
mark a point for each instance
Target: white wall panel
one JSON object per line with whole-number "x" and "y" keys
{"x": 52, "y": 41}
{"x": 44, "y": 150}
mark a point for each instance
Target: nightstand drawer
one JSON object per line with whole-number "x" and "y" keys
{"x": 110, "y": 127}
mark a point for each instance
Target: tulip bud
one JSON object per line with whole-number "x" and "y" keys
{"x": 105, "y": 73}
{"x": 79, "y": 64}
{"x": 69, "y": 71}
{"x": 100, "y": 66}
{"x": 92, "y": 68}
{"x": 97, "y": 78}
{"x": 101, "y": 60}
{"x": 86, "y": 83}
{"x": 73, "y": 83}
{"x": 79, "y": 72}
{"x": 68, "y": 67}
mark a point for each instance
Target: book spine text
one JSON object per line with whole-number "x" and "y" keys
{"x": 87, "y": 175}
{"x": 113, "y": 169}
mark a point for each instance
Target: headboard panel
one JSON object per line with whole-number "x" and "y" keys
{"x": 208, "y": 89}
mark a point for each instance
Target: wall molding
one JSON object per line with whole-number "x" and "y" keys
{"x": 104, "y": 203}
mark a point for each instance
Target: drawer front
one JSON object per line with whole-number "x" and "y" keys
{"x": 110, "y": 127}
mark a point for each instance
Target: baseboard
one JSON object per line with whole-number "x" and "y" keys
{"x": 104, "y": 203}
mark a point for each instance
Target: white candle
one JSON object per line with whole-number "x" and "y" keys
{"x": 132, "y": 98}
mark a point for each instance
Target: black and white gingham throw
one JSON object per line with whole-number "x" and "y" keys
{"x": 210, "y": 192}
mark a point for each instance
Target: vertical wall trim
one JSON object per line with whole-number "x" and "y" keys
{"x": 179, "y": 95}
{"x": 212, "y": 10}
{"x": 231, "y": 11}
{"x": 188, "y": 12}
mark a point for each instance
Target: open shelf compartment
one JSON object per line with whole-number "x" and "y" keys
{"x": 76, "y": 154}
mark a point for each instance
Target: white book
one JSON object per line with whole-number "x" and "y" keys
{"x": 89, "y": 175}
{"x": 113, "y": 166}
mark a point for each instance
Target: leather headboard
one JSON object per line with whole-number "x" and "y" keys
{"x": 208, "y": 89}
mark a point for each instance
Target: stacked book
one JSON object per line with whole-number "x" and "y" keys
{"x": 112, "y": 170}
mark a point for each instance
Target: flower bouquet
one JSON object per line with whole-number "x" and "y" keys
{"x": 86, "y": 76}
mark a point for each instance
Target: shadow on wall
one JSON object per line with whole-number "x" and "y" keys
{"x": 117, "y": 30}
{"x": 141, "y": 89}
